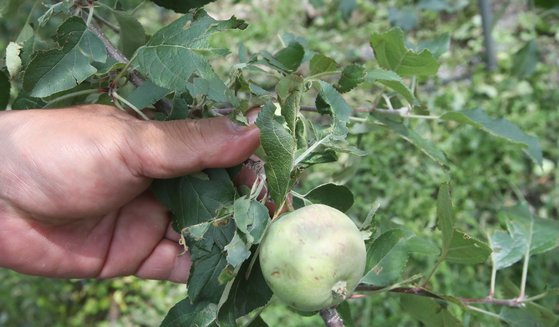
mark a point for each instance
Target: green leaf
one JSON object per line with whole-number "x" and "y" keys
{"x": 237, "y": 251}
{"x": 393, "y": 81}
{"x": 464, "y": 249}
{"x": 445, "y": 215}
{"x": 541, "y": 235}
{"x": 346, "y": 8}
{"x": 500, "y": 128}
{"x": 391, "y": 53}
{"x": 333, "y": 195}
{"x": 289, "y": 91}
{"x": 132, "y": 33}
{"x": 506, "y": 250}
{"x": 194, "y": 200}
{"x": 177, "y": 53}
{"x": 344, "y": 309}
{"x": 251, "y": 218}
{"x": 322, "y": 64}
{"x": 532, "y": 315}
{"x": 246, "y": 293}
{"x": 291, "y": 56}
{"x": 184, "y": 313}
{"x": 339, "y": 109}
{"x": 60, "y": 7}
{"x": 387, "y": 257}
{"x": 24, "y": 101}
{"x": 61, "y": 69}
{"x": 417, "y": 140}
{"x": 146, "y": 95}
{"x": 405, "y": 17}
{"x": 438, "y": 46}
{"x": 209, "y": 259}
{"x": 525, "y": 60}
{"x": 428, "y": 311}
{"x": 351, "y": 77}
{"x": 279, "y": 146}
{"x": 182, "y": 6}
{"x": 4, "y": 90}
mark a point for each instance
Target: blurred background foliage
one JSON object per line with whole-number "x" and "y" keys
{"x": 487, "y": 174}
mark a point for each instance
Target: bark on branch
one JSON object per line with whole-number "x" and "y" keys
{"x": 331, "y": 317}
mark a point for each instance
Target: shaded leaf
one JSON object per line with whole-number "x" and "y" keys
{"x": 279, "y": 146}
{"x": 387, "y": 257}
{"x": 208, "y": 262}
{"x": 182, "y": 6}
{"x": 291, "y": 56}
{"x": 333, "y": 195}
{"x": 351, "y": 77}
{"x": 246, "y": 293}
{"x": 545, "y": 235}
{"x": 438, "y": 45}
{"x": 61, "y": 69}
{"x": 194, "y": 200}
{"x": 404, "y": 17}
{"x": 430, "y": 312}
{"x": 506, "y": 250}
{"x": 526, "y": 233}
{"x": 445, "y": 215}
{"x": 184, "y": 313}
{"x": 526, "y": 60}
{"x": 500, "y": 128}
{"x": 338, "y": 108}
{"x": 63, "y": 6}
{"x": 146, "y": 95}
{"x": 532, "y": 315}
{"x": 251, "y": 218}
{"x": 393, "y": 81}
{"x": 392, "y": 54}
{"x": 465, "y": 249}
{"x": 322, "y": 64}
{"x": 344, "y": 309}
{"x": 237, "y": 251}
{"x": 417, "y": 140}
{"x": 132, "y": 34}
{"x": 346, "y": 8}
{"x": 4, "y": 90}
{"x": 289, "y": 91}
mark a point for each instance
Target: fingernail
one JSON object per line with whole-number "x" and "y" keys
{"x": 251, "y": 116}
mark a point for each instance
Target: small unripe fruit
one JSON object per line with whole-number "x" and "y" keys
{"x": 313, "y": 258}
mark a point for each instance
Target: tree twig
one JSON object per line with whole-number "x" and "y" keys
{"x": 163, "y": 105}
{"x": 516, "y": 302}
{"x": 331, "y": 317}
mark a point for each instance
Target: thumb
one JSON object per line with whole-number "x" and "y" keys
{"x": 175, "y": 148}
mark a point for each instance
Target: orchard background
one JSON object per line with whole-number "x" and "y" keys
{"x": 415, "y": 179}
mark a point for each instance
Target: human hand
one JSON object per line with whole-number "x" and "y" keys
{"x": 73, "y": 199}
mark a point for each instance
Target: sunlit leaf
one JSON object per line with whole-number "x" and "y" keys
{"x": 61, "y": 69}
{"x": 392, "y": 53}
{"x": 279, "y": 146}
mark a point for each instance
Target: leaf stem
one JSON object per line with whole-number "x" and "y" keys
{"x": 317, "y": 76}
{"x": 437, "y": 264}
{"x": 90, "y": 15}
{"x": 310, "y": 150}
{"x": 71, "y": 95}
{"x": 485, "y": 312}
{"x": 130, "y": 105}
